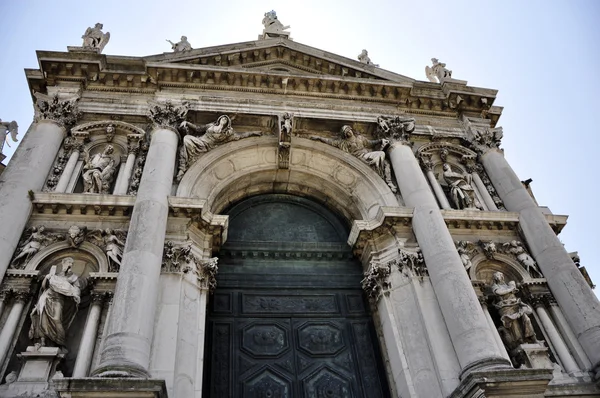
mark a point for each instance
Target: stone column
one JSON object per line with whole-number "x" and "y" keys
{"x": 4, "y": 295}
{"x": 557, "y": 342}
{"x": 492, "y": 326}
{"x": 581, "y": 307}
{"x": 435, "y": 184}
{"x": 74, "y": 144}
{"x": 88, "y": 340}
{"x": 12, "y": 321}
{"x": 126, "y": 350}
{"x": 470, "y": 334}
{"x": 28, "y": 169}
{"x": 133, "y": 147}
{"x": 485, "y": 195}
{"x": 569, "y": 337}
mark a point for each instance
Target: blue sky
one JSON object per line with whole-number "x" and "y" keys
{"x": 540, "y": 55}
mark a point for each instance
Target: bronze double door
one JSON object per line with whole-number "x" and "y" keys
{"x": 282, "y": 343}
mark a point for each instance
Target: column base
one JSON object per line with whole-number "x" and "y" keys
{"x": 504, "y": 383}
{"x": 92, "y": 387}
{"x": 121, "y": 371}
{"x": 486, "y": 364}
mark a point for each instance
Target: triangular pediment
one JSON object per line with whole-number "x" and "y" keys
{"x": 281, "y": 56}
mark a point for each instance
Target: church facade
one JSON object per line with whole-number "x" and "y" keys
{"x": 267, "y": 219}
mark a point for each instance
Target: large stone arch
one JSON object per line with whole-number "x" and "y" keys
{"x": 248, "y": 167}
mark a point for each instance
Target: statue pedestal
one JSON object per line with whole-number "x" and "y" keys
{"x": 76, "y": 49}
{"x": 533, "y": 356}
{"x": 34, "y": 377}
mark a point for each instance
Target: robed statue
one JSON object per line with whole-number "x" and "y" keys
{"x": 56, "y": 306}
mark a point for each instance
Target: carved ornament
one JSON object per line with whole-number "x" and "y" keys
{"x": 168, "y": 115}
{"x": 397, "y": 129}
{"x": 32, "y": 241}
{"x": 180, "y": 258}
{"x": 376, "y": 280}
{"x": 286, "y": 122}
{"x": 63, "y": 112}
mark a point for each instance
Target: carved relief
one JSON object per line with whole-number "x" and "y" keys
{"x": 99, "y": 170}
{"x": 179, "y": 258}
{"x": 483, "y": 138}
{"x": 286, "y": 122}
{"x": 112, "y": 243}
{"x": 136, "y": 176}
{"x": 489, "y": 186}
{"x": 412, "y": 262}
{"x": 516, "y": 248}
{"x": 369, "y": 151}
{"x": 167, "y": 114}
{"x": 33, "y": 240}
{"x": 397, "y": 129}
{"x": 201, "y": 139}
{"x": 63, "y": 112}
{"x": 376, "y": 281}
{"x": 76, "y": 235}
{"x": 466, "y": 250}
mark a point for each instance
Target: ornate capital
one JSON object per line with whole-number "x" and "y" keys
{"x": 483, "y": 138}
{"x": 133, "y": 143}
{"x": 22, "y": 296}
{"x": 376, "y": 280}
{"x": 168, "y": 115}
{"x": 97, "y": 297}
{"x": 397, "y": 129}
{"x": 207, "y": 273}
{"x": 412, "y": 262}
{"x": 63, "y": 112}
{"x": 425, "y": 160}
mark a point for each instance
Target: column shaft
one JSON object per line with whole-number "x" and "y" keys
{"x": 581, "y": 307}
{"x": 472, "y": 339}
{"x": 88, "y": 340}
{"x": 123, "y": 181}
{"x": 487, "y": 198}
{"x": 27, "y": 171}
{"x": 67, "y": 173}
{"x": 126, "y": 349}
{"x": 497, "y": 337}
{"x": 557, "y": 342}
{"x": 10, "y": 327}
{"x": 571, "y": 340}
{"x": 439, "y": 192}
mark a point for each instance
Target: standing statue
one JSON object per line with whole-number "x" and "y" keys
{"x": 6, "y": 129}
{"x": 365, "y": 59}
{"x": 516, "y": 326}
{"x": 94, "y": 38}
{"x": 273, "y": 26}
{"x": 201, "y": 139}
{"x": 516, "y": 248}
{"x": 465, "y": 249}
{"x": 99, "y": 171}
{"x": 462, "y": 193}
{"x": 56, "y": 305}
{"x": 181, "y": 46}
{"x": 438, "y": 69}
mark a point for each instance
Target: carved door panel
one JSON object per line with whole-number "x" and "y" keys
{"x": 283, "y": 344}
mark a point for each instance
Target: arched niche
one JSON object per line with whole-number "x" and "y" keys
{"x": 87, "y": 258}
{"x": 483, "y": 268}
{"x": 248, "y": 167}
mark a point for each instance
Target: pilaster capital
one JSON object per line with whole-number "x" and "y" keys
{"x": 63, "y": 112}
{"x": 481, "y": 137}
{"x": 98, "y": 297}
{"x": 5, "y": 294}
{"x": 22, "y": 295}
{"x": 396, "y": 129}
{"x": 425, "y": 161}
{"x": 376, "y": 280}
{"x": 166, "y": 115}
{"x": 133, "y": 143}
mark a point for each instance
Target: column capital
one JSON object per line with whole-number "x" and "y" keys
{"x": 5, "y": 294}
{"x": 396, "y": 129}
{"x": 133, "y": 143}
{"x": 376, "y": 281}
{"x": 63, "y": 112}
{"x": 480, "y": 136}
{"x": 22, "y": 295}
{"x": 166, "y": 115}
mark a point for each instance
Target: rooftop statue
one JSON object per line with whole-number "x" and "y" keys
{"x": 56, "y": 305}
{"x": 273, "y": 27}
{"x": 181, "y": 46}
{"x": 437, "y": 70}
{"x": 6, "y": 129}
{"x": 364, "y": 58}
{"x": 94, "y": 38}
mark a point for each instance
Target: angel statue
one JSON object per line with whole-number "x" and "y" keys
{"x": 99, "y": 171}
{"x": 36, "y": 239}
{"x": 201, "y": 139}
{"x": 112, "y": 243}
{"x": 438, "y": 69}
{"x": 94, "y": 38}
{"x": 56, "y": 306}
{"x": 8, "y": 128}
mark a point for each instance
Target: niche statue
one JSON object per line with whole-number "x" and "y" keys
{"x": 99, "y": 171}
{"x": 56, "y": 306}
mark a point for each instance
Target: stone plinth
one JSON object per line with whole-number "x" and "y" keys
{"x": 533, "y": 356}
{"x": 92, "y": 387}
{"x": 514, "y": 383}
{"x": 39, "y": 366}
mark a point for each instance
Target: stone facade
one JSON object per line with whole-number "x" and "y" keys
{"x": 116, "y": 224}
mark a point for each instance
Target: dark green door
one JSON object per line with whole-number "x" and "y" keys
{"x": 288, "y": 318}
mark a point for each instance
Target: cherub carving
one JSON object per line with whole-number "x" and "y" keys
{"x": 489, "y": 248}
{"x": 34, "y": 239}
{"x": 76, "y": 235}
{"x": 112, "y": 242}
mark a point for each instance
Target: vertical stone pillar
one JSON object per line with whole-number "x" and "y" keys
{"x": 497, "y": 337}
{"x": 74, "y": 144}
{"x": 470, "y": 334}
{"x": 487, "y": 198}
{"x": 126, "y": 349}
{"x": 133, "y": 147}
{"x": 28, "y": 169}
{"x": 88, "y": 340}
{"x": 435, "y": 185}
{"x": 557, "y": 342}
{"x": 12, "y": 321}
{"x": 569, "y": 337}
{"x": 581, "y": 307}
{"x": 4, "y": 295}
